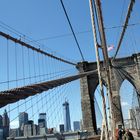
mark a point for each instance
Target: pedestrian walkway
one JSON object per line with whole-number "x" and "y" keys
{"x": 136, "y": 138}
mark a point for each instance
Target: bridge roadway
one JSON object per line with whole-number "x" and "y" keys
{"x": 58, "y": 136}
{"x": 136, "y": 138}
{"x": 16, "y": 94}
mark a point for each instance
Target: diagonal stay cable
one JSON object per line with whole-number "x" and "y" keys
{"x": 72, "y": 30}
{"x": 120, "y": 26}
{"x": 81, "y": 32}
{"x": 34, "y": 48}
{"x": 125, "y": 26}
{"x": 16, "y": 94}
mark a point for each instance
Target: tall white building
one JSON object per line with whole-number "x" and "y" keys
{"x": 134, "y": 118}
{"x": 137, "y": 114}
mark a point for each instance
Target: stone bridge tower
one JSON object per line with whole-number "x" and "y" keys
{"x": 121, "y": 69}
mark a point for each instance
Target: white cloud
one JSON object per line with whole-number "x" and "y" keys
{"x": 14, "y": 124}
{"x": 125, "y": 104}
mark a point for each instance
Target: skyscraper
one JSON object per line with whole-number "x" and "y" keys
{"x": 134, "y": 118}
{"x": 67, "y": 122}
{"x": 23, "y": 118}
{"x": 5, "y": 119}
{"x": 42, "y": 120}
{"x": 76, "y": 125}
{"x": 1, "y": 123}
{"x": 27, "y": 130}
{"x": 1, "y": 134}
{"x": 35, "y": 129}
{"x": 6, "y": 124}
{"x": 137, "y": 116}
{"x": 14, "y": 132}
{"x": 42, "y": 116}
{"x": 61, "y": 128}
{"x": 42, "y": 124}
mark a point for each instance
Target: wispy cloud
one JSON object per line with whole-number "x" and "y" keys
{"x": 125, "y": 104}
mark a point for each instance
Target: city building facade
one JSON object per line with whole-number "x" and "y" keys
{"x": 76, "y": 125}
{"x": 134, "y": 118}
{"x": 6, "y": 125}
{"x": 61, "y": 128}
{"x": 23, "y": 120}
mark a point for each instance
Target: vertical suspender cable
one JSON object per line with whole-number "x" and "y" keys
{"x": 35, "y": 74}
{"x": 29, "y": 67}
{"x": 16, "y": 63}
{"x": 8, "y": 63}
{"x": 41, "y": 73}
{"x": 8, "y": 72}
{"x": 23, "y": 66}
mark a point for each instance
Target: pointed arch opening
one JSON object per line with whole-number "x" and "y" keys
{"x": 129, "y": 105}
{"x": 99, "y": 107}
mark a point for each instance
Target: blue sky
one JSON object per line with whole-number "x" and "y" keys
{"x": 44, "y": 20}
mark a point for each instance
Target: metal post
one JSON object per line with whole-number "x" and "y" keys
{"x": 99, "y": 71}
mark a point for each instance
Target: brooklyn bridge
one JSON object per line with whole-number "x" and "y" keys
{"x": 81, "y": 80}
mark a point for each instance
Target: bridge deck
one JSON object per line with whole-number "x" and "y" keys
{"x": 58, "y": 136}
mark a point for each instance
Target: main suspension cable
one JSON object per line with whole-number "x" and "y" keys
{"x": 34, "y": 48}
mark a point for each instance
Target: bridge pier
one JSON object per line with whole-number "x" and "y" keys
{"x": 116, "y": 81}
{"x": 122, "y": 68}
{"x": 88, "y": 86}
